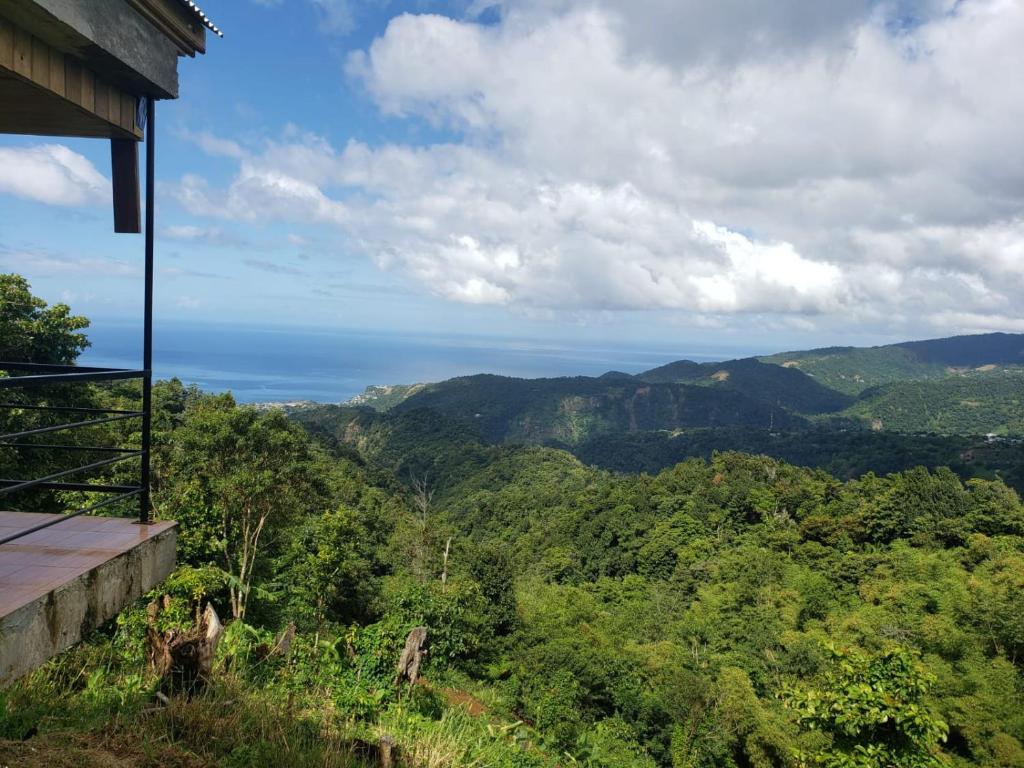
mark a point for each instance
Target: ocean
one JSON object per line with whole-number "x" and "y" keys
{"x": 331, "y": 366}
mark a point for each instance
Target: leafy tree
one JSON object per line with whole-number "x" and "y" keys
{"x": 330, "y": 567}
{"x": 997, "y": 595}
{"x": 875, "y": 708}
{"x": 456, "y": 622}
{"x": 33, "y": 332}
{"x": 235, "y": 478}
{"x": 491, "y": 567}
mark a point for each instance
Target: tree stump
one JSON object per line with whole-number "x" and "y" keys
{"x": 183, "y": 659}
{"x": 282, "y": 645}
{"x": 408, "y": 667}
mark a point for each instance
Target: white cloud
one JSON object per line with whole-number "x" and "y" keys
{"x": 852, "y": 161}
{"x": 54, "y": 263}
{"x": 213, "y": 145}
{"x": 51, "y": 174}
{"x": 259, "y": 193}
{"x": 767, "y": 277}
{"x": 725, "y": 31}
{"x": 215, "y": 236}
{"x": 49, "y": 263}
{"x": 184, "y": 232}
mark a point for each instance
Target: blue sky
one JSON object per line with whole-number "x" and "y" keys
{"x": 647, "y": 172}
{"x": 276, "y": 68}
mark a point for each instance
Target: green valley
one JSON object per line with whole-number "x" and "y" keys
{"x": 827, "y": 595}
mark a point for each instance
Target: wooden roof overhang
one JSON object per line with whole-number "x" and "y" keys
{"x": 86, "y": 68}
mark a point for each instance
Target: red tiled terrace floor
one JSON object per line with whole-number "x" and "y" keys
{"x": 40, "y": 562}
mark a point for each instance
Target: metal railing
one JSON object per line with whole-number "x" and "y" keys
{"x": 33, "y": 375}
{"x": 44, "y": 375}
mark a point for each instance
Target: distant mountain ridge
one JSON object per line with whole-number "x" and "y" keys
{"x": 854, "y": 369}
{"x": 787, "y": 387}
{"x": 573, "y": 408}
{"x": 957, "y": 385}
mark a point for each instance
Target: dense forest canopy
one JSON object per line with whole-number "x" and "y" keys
{"x": 729, "y": 609}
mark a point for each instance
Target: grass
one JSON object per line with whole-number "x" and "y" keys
{"x": 459, "y": 739}
{"x": 230, "y": 724}
{"x": 91, "y": 708}
{"x": 94, "y": 707}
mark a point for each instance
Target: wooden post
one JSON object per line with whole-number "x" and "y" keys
{"x": 386, "y": 752}
{"x": 124, "y": 177}
{"x": 444, "y": 570}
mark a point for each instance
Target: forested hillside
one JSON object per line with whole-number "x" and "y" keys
{"x": 844, "y": 453}
{"x": 966, "y": 385}
{"x": 969, "y": 403}
{"x": 691, "y": 618}
{"x": 573, "y": 409}
{"x": 788, "y": 388}
{"x": 422, "y": 441}
{"x": 730, "y": 611}
{"x": 854, "y": 369}
{"x": 929, "y": 415}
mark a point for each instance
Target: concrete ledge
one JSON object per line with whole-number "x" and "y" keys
{"x": 55, "y": 621}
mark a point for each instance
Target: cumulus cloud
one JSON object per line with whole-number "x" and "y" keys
{"x": 51, "y": 174}
{"x": 849, "y": 161}
{"x": 213, "y": 145}
{"x": 259, "y": 193}
{"x": 726, "y": 32}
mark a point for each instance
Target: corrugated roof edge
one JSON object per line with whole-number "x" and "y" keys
{"x": 202, "y": 17}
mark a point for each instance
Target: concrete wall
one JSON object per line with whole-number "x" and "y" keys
{"x": 53, "y": 623}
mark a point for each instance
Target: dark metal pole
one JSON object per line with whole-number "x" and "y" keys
{"x": 147, "y": 342}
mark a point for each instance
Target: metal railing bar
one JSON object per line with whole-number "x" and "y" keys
{"x": 64, "y": 408}
{"x": 13, "y": 382}
{"x": 73, "y": 425}
{"x": 64, "y": 473}
{"x": 88, "y": 487}
{"x": 6, "y": 365}
{"x": 76, "y": 513}
{"x": 53, "y": 447}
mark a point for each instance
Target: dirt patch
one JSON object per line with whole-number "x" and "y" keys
{"x": 986, "y": 368}
{"x": 720, "y": 376}
{"x": 791, "y": 364}
{"x": 472, "y": 704}
{"x": 454, "y": 697}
